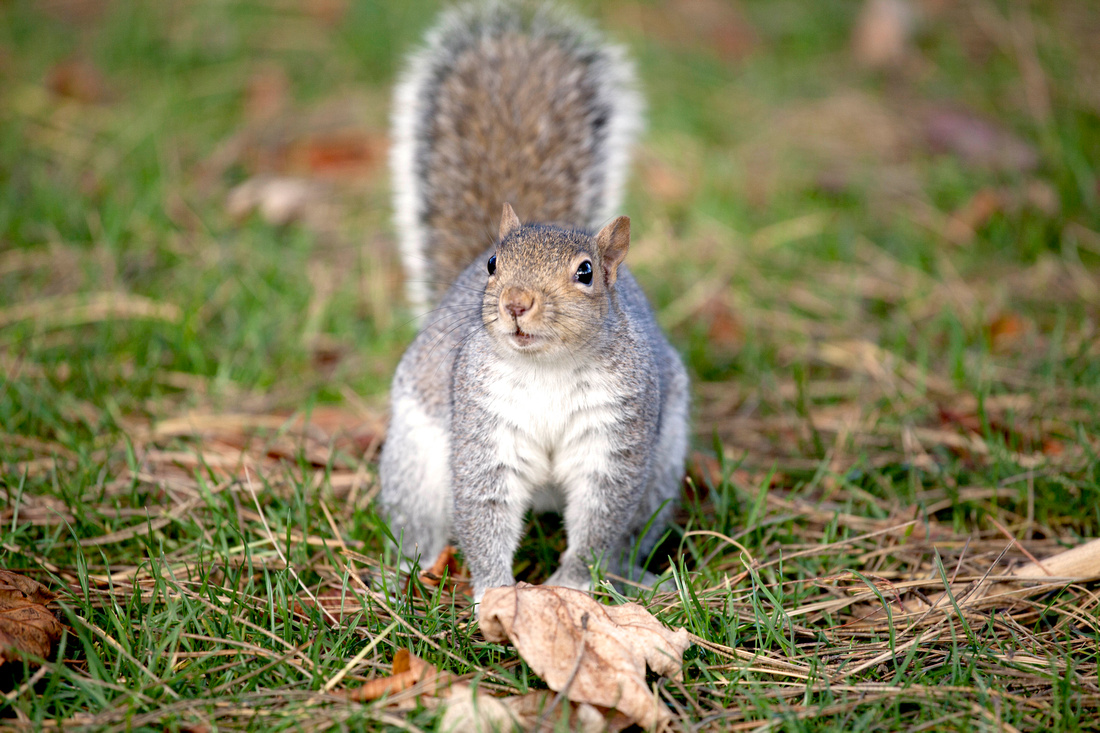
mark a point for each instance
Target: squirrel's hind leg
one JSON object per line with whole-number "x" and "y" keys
{"x": 662, "y": 495}
{"x": 414, "y": 470}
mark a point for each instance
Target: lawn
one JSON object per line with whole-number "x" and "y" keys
{"x": 880, "y": 259}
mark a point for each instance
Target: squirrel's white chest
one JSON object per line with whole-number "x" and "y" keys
{"x": 554, "y": 427}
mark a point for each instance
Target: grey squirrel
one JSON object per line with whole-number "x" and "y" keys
{"x": 539, "y": 379}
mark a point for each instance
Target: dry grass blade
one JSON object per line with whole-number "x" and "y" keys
{"x": 73, "y": 310}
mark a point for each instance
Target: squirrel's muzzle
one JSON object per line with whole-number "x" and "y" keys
{"x": 517, "y": 302}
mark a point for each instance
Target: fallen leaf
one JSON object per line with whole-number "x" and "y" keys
{"x": 327, "y": 12}
{"x": 589, "y": 652}
{"x": 1043, "y": 197}
{"x": 408, "y": 669}
{"x": 75, "y": 12}
{"x": 26, "y": 627}
{"x": 977, "y": 141}
{"x": 446, "y": 563}
{"x": 536, "y": 706}
{"x": 883, "y": 33}
{"x": 666, "y": 183}
{"x": 1006, "y": 331}
{"x": 470, "y": 710}
{"x": 1053, "y": 447}
{"x": 267, "y": 93}
{"x": 973, "y": 215}
{"x": 1076, "y": 565}
{"x": 717, "y": 25}
{"x": 279, "y": 200}
{"x": 724, "y": 329}
{"x": 331, "y": 607}
{"x": 705, "y": 472}
{"x": 79, "y": 80}
{"x": 348, "y": 154}
{"x": 14, "y": 586}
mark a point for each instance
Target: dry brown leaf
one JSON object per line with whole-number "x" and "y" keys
{"x": 883, "y": 33}
{"x": 279, "y": 200}
{"x": 75, "y": 12}
{"x": 474, "y": 711}
{"x": 14, "y": 586}
{"x": 79, "y": 80}
{"x": 267, "y": 93}
{"x": 1076, "y": 565}
{"x": 471, "y": 711}
{"x": 446, "y": 563}
{"x": 705, "y": 472}
{"x": 1079, "y": 563}
{"x": 348, "y": 154}
{"x": 716, "y": 25}
{"x": 1007, "y": 331}
{"x": 977, "y": 141}
{"x": 408, "y": 669}
{"x": 973, "y": 215}
{"x": 26, "y": 627}
{"x": 667, "y": 183}
{"x": 725, "y": 331}
{"x": 331, "y": 607}
{"x": 327, "y": 12}
{"x": 589, "y": 652}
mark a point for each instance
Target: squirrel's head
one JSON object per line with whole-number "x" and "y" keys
{"x": 549, "y": 288}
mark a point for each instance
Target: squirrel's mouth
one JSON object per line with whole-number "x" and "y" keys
{"x": 523, "y": 339}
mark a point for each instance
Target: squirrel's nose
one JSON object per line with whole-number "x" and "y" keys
{"x": 515, "y": 301}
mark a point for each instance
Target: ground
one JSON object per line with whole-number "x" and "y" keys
{"x": 872, "y": 229}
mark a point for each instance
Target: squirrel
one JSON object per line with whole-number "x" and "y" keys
{"x": 540, "y": 378}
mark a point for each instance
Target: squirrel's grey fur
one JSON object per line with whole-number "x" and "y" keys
{"x": 544, "y": 381}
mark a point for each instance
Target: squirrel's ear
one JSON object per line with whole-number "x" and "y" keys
{"x": 613, "y": 241}
{"x": 509, "y": 222}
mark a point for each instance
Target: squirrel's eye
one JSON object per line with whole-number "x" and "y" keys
{"x": 492, "y": 264}
{"x": 584, "y": 273}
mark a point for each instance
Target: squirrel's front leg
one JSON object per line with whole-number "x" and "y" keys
{"x": 488, "y": 502}
{"x": 488, "y": 515}
{"x": 600, "y": 505}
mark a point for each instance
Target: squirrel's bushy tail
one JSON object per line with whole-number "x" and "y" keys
{"x": 508, "y": 101}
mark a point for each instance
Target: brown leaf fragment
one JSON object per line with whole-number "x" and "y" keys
{"x": 447, "y": 563}
{"x": 589, "y": 652}
{"x": 267, "y": 93}
{"x": 705, "y": 472}
{"x": 26, "y": 627}
{"x": 350, "y": 154}
{"x": 78, "y": 80}
{"x": 1006, "y": 331}
{"x": 977, "y": 141}
{"x": 74, "y": 12}
{"x": 474, "y": 711}
{"x": 279, "y": 200}
{"x": 883, "y": 33}
{"x": 1079, "y": 563}
{"x": 973, "y": 215}
{"x": 327, "y": 12}
{"x": 407, "y": 671}
{"x": 539, "y": 711}
{"x": 717, "y": 26}
{"x": 724, "y": 329}
{"x": 14, "y": 586}
{"x": 471, "y": 711}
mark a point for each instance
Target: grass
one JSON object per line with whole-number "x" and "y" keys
{"x": 896, "y": 383}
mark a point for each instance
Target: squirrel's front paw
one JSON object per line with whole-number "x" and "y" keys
{"x": 563, "y": 578}
{"x": 479, "y": 588}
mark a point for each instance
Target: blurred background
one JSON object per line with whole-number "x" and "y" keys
{"x": 872, "y": 227}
